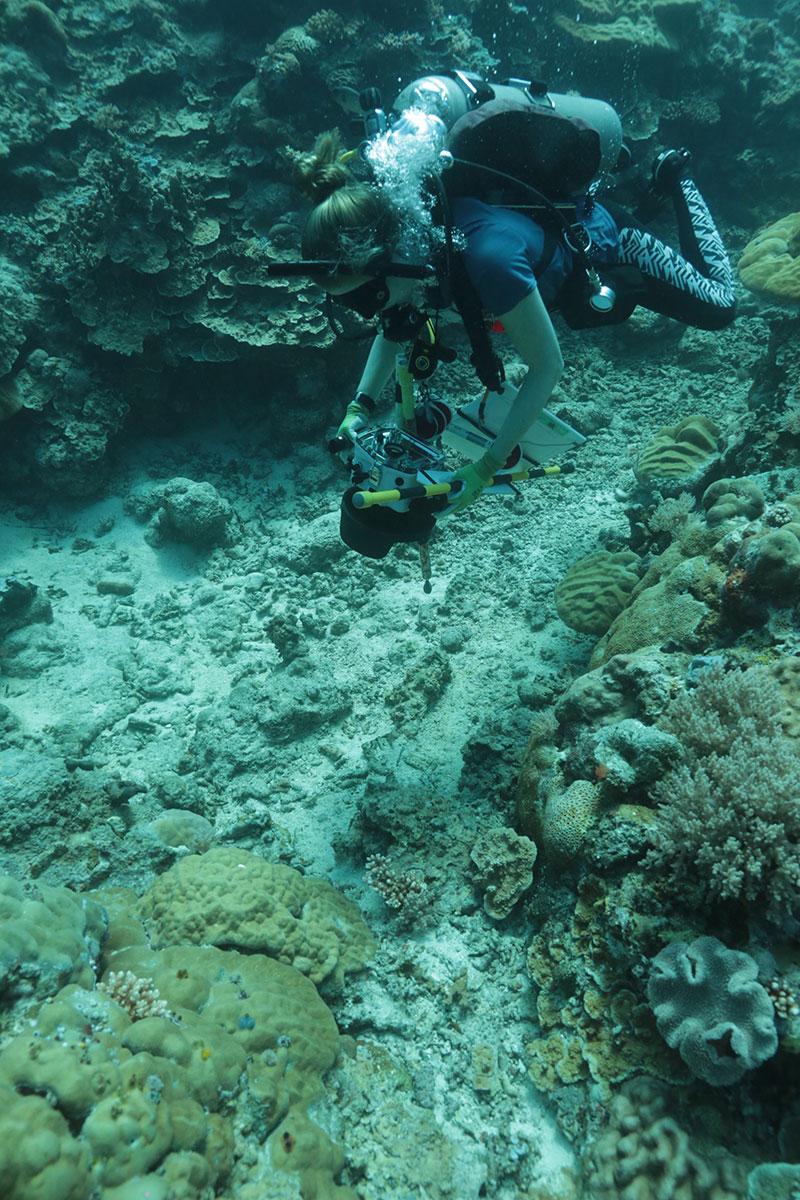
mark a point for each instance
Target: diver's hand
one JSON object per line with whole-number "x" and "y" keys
{"x": 355, "y": 418}
{"x": 476, "y": 477}
{"x": 355, "y": 415}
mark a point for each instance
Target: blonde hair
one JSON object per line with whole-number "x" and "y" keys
{"x": 351, "y": 223}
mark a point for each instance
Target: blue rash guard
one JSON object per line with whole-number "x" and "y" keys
{"x": 504, "y": 247}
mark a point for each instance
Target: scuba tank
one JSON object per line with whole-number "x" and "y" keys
{"x": 451, "y": 95}
{"x": 516, "y": 145}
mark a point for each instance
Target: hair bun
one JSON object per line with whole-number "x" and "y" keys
{"x": 320, "y": 172}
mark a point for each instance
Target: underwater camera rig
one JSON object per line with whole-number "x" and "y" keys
{"x": 400, "y": 483}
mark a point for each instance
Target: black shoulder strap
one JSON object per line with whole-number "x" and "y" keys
{"x": 488, "y": 365}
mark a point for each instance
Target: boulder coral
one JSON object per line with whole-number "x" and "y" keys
{"x": 231, "y": 898}
{"x": 49, "y": 937}
{"x": 770, "y": 262}
{"x": 100, "y": 1096}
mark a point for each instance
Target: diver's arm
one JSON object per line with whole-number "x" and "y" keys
{"x": 532, "y": 335}
{"x": 378, "y": 367}
{"x": 377, "y": 370}
{"x": 531, "y": 332}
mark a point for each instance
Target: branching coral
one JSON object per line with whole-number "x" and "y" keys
{"x": 139, "y": 997}
{"x": 729, "y": 819}
{"x": 404, "y": 891}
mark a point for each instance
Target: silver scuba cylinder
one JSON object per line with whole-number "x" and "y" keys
{"x": 451, "y": 96}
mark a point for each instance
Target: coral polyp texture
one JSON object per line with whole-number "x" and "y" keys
{"x": 228, "y": 897}
{"x": 145, "y": 1080}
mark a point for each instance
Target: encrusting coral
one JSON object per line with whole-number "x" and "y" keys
{"x": 646, "y": 1153}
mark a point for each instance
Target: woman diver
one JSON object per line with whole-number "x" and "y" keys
{"x": 508, "y": 249}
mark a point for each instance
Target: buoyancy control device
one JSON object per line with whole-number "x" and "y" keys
{"x": 517, "y": 145}
{"x": 558, "y": 123}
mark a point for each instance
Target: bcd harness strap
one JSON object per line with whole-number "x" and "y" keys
{"x": 488, "y": 365}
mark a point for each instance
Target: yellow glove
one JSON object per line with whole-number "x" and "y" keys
{"x": 355, "y": 417}
{"x": 476, "y": 476}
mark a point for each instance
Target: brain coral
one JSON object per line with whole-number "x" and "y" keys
{"x": 595, "y": 590}
{"x": 569, "y": 814}
{"x": 679, "y": 454}
{"x": 645, "y": 24}
{"x": 232, "y": 898}
{"x": 770, "y": 263}
{"x": 728, "y": 498}
{"x": 709, "y": 1004}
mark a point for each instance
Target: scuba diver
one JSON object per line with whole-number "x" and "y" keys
{"x": 480, "y": 197}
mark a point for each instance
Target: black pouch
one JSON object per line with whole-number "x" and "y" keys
{"x": 574, "y": 299}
